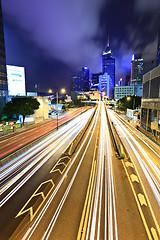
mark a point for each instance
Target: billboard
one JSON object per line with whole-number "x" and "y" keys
{"x": 16, "y": 81}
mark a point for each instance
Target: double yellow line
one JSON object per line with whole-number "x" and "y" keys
{"x": 87, "y": 204}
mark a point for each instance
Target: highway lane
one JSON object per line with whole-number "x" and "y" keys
{"x": 17, "y": 168}
{"x": 51, "y": 149}
{"x": 16, "y": 141}
{"x": 144, "y": 157}
{"x": 86, "y": 198}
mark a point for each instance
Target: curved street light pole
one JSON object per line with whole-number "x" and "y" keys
{"x": 62, "y": 91}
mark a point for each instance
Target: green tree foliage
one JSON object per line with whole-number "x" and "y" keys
{"x": 21, "y": 106}
{"x": 130, "y": 102}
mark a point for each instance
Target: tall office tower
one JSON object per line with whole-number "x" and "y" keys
{"x": 127, "y": 79}
{"x": 81, "y": 81}
{"x": 158, "y": 49}
{"x": 3, "y": 72}
{"x": 75, "y": 83}
{"x": 137, "y": 69}
{"x": 108, "y": 65}
{"x": 95, "y": 78}
{"x": 106, "y": 86}
{"x": 85, "y": 79}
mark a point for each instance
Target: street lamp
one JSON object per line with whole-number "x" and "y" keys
{"x": 50, "y": 91}
{"x": 129, "y": 98}
{"x": 62, "y": 91}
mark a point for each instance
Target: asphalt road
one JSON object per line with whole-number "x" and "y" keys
{"x": 92, "y": 194}
{"x": 12, "y": 142}
{"x": 143, "y": 172}
{"x": 22, "y": 176}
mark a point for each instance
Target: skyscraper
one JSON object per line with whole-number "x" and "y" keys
{"x": 137, "y": 73}
{"x": 158, "y": 49}
{"x": 108, "y": 66}
{"x": 106, "y": 86}
{"x": 81, "y": 81}
{"x": 3, "y": 73}
{"x": 137, "y": 69}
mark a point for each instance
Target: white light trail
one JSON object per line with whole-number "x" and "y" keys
{"x": 64, "y": 138}
{"x": 151, "y": 176}
{"x": 31, "y": 230}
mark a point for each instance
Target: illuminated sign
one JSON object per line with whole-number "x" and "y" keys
{"x": 16, "y": 81}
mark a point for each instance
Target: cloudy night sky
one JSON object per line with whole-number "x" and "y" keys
{"x": 54, "y": 39}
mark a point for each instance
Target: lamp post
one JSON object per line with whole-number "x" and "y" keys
{"x": 50, "y": 91}
{"x": 62, "y": 91}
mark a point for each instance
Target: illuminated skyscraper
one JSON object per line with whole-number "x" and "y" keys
{"x": 3, "y": 73}
{"x": 108, "y": 67}
{"x": 137, "y": 69}
{"x": 137, "y": 73}
{"x": 106, "y": 86}
{"x": 81, "y": 81}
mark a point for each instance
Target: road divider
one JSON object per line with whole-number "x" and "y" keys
{"x": 118, "y": 146}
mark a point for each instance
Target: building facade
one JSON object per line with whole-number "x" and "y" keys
{"x": 150, "y": 105}
{"x": 3, "y": 72}
{"x": 108, "y": 63}
{"x": 158, "y": 49}
{"x": 81, "y": 81}
{"x": 106, "y": 85}
{"x": 137, "y": 70}
{"x": 108, "y": 68}
{"x": 124, "y": 91}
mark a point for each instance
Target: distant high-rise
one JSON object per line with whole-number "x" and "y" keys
{"x": 3, "y": 72}
{"x": 81, "y": 81}
{"x": 158, "y": 49}
{"x": 106, "y": 86}
{"x": 108, "y": 65}
{"x": 137, "y": 70}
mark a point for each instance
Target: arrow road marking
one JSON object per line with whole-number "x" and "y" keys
{"x": 129, "y": 164}
{"x": 134, "y": 178}
{"x": 35, "y": 194}
{"x": 142, "y": 199}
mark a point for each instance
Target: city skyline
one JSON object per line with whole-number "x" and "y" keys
{"x": 56, "y": 46}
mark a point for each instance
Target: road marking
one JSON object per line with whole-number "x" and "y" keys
{"x": 129, "y": 164}
{"x": 142, "y": 199}
{"x": 134, "y": 178}
{"x": 61, "y": 163}
{"x": 138, "y": 204}
{"x": 86, "y": 208}
{"x": 154, "y": 233}
{"x": 35, "y": 194}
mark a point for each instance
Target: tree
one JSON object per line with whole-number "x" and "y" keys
{"x": 130, "y": 102}
{"x": 21, "y": 106}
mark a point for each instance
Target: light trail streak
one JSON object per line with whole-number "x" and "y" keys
{"x": 53, "y": 136}
{"x": 112, "y": 220}
{"x": 148, "y": 174}
{"x": 65, "y": 137}
{"x": 31, "y": 230}
{"x": 103, "y": 174}
{"x": 137, "y": 132}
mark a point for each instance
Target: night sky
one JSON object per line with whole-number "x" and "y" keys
{"x": 54, "y": 39}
